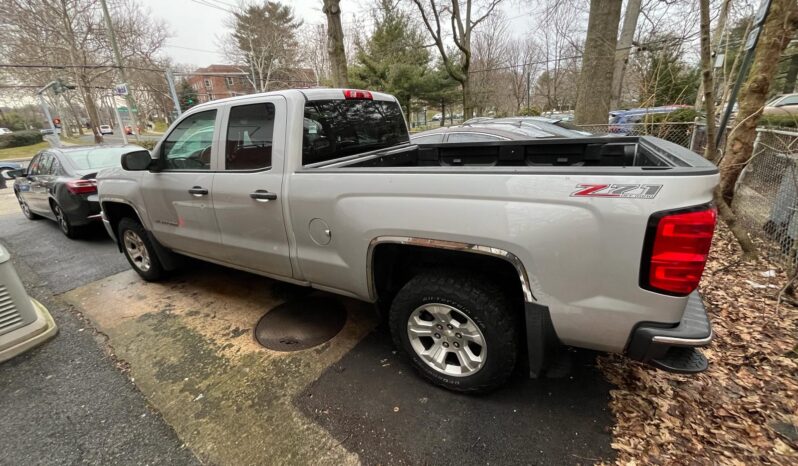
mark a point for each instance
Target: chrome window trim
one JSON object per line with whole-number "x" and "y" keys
{"x": 452, "y": 246}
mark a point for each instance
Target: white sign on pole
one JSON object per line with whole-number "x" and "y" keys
{"x": 121, "y": 89}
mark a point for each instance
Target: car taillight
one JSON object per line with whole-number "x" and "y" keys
{"x": 354, "y": 94}
{"x": 676, "y": 249}
{"x": 82, "y": 186}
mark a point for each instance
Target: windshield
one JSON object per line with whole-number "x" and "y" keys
{"x": 337, "y": 128}
{"x": 105, "y": 157}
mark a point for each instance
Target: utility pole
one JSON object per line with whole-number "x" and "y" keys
{"x": 56, "y": 141}
{"x": 170, "y": 79}
{"x": 131, "y": 103}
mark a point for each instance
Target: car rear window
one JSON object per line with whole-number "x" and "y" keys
{"x": 97, "y": 158}
{"x": 338, "y": 128}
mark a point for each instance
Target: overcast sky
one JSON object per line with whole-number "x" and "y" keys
{"x": 195, "y": 27}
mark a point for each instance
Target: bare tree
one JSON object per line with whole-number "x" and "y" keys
{"x": 463, "y": 17}
{"x": 707, "y": 82}
{"x": 314, "y": 54}
{"x": 335, "y": 43}
{"x": 623, "y": 49}
{"x": 489, "y": 59}
{"x": 523, "y": 62}
{"x": 595, "y": 83}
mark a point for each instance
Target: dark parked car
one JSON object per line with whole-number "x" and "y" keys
{"x": 60, "y": 184}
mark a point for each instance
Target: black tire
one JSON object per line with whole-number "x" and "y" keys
{"x": 66, "y": 227}
{"x": 479, "y": 299}
{"x": 150, "y": 269}
{"x": 26, "y": 209}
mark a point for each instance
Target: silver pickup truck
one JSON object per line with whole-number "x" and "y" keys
{"x": 483, "y": 256}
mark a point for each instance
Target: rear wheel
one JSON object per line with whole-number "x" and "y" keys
{"x": 459, "y": 329}
{"x": 64, "y": 224}
{"x": 26, "y": 210}
{"x": 139, "y": 251}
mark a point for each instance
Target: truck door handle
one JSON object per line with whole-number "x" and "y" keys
{"x": 198, "y": 191}
{"x": 261, "y": 195}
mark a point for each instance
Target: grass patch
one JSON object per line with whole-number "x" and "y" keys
{"x": 22, "y": 152}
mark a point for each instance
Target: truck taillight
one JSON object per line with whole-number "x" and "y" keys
{"x": 82, "y": 186}
{"x": 354, "y": 94}
{"x": 675, "y": 250}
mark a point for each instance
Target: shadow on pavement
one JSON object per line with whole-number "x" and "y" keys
{"x": 375, "y": 404}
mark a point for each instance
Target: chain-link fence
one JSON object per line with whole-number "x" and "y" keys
{"x": 682, "y": 133}
{"x": 766, "y": 194}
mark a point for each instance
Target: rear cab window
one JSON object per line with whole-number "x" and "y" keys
{"x": 250, "y": 132}
{"x": 339, "y": 128}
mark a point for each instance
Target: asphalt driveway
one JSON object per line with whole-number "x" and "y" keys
{"x": 205, "y": 390}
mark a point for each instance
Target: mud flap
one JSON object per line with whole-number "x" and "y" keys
{"x": 541, "y": 339}
{"x": 169, "y": 260}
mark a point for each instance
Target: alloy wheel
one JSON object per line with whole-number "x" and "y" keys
{"x": 447, "y": 340}
{"x": 62, "y": 221}
{"x": 136, "y": 250}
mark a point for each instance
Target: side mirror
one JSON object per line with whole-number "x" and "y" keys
{"x": 137, "y": 160}
{"x": 20, "y": 173}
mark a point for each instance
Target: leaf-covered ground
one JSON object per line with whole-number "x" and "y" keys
{"x": 744, "y": 409}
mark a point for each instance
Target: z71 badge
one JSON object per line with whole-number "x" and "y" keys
{"x": 634, "y": 191}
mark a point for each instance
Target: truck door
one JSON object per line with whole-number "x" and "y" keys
{"x": 248, "y": 184}
{"x": 179, "y": 198}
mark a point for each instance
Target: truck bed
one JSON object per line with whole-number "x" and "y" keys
{"x": 641, "y": 152}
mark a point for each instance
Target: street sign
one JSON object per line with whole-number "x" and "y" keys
{"x": 761, "y": 13}
{"x": 121, "y": 89}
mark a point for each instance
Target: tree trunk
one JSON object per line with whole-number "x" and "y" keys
{"x": 595, "y": 81}
{"x": 335, "y": 43}
{"x": 706, "y": 70}
{"x": 792, "y": 73}
{"x": 468, "y": 109}
{"x": 443, "y": 113}
{"x": 776, "y": 35}
{"x": 623, "y": 50}
{"x": 716, "y": 37}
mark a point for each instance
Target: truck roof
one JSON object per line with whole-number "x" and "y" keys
{"x": 317, "y": 93}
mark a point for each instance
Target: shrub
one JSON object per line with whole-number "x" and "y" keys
{"x": 20, "y": 138}
{"x": 529, "y": 111}
{"x": 147, "y": 144}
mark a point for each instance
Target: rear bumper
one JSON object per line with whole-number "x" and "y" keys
{"x": 660, "y": 346}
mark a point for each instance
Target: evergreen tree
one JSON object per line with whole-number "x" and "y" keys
{"x": 393, "y": 59}
{"x": 187, "y": 96}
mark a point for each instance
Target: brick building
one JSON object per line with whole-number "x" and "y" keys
{"x": 222, "y": 81}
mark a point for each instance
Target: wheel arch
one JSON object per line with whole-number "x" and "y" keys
{"x": 384, "y": 261}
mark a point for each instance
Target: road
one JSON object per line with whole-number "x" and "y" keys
{"x": 170, "y": 373}
{"x": 66, "y": 402}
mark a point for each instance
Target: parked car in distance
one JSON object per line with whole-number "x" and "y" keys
{"x": 5, "y": 131}
{"x": 558, "y": 127}
{"x": 6, "y": 168}
{"x": 59, "y": 184}
{"x": 624, "y": 121}
{"x": 482, "y": 255}
{"x": 105, "y": 129}
{"x": 24, "y": 322}
{"x": 477, "y": 133}
{"x": 782, "y": 105}
{"x": 437, "y": 117}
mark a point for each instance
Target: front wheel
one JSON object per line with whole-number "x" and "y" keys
{"x": 459, "y": 329}
{"x": 139, "y": 251}
{"x": 26, "y": 209}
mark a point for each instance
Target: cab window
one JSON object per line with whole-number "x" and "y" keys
{"x": 188, "y": 146}
{"x": 250, "y": 131}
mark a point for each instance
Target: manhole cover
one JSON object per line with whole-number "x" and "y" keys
{"x": 301, "y": 323}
